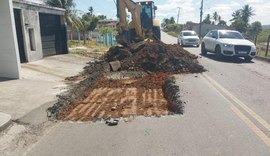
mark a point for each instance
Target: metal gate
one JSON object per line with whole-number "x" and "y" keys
{"x": 18, "y": 23}
{"x": 51, "y": 34}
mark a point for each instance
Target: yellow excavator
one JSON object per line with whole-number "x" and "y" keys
{"x": 143, "y": 24}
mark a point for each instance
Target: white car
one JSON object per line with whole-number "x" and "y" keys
{"x": 228, "y": 43}
{"x": 188, "y": 38}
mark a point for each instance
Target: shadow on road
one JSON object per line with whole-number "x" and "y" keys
{"x": 227, "y": 59}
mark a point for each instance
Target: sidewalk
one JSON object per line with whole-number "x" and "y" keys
{"x": 42, "y": 81}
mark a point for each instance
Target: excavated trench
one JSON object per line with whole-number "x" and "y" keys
{"x": 142, "y": 85}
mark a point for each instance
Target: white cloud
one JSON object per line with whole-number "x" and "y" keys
{"x": 170, "y": 9}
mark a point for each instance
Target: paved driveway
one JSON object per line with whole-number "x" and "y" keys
{"x": 42, "y": 81}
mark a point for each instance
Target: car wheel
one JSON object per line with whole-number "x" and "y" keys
{"x": 203, "y": 50}
{"x": 218, "y": 52}
{"x": 248, "y": 58}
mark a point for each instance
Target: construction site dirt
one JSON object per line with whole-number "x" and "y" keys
{"x": 121, "y": 98}
{"x": 142, "y": 91}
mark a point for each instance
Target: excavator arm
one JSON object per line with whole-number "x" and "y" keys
{"x": 135, "y": 11}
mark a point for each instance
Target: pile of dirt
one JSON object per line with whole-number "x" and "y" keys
{"x": 155, "y": 56}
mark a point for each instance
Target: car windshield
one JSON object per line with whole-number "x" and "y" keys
{"x": 189, "y": 34}
{"x": 230, "y": 34}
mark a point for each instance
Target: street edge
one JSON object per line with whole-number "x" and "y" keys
{"x": 265, "y": 59}
{"x": 6, "y": 123}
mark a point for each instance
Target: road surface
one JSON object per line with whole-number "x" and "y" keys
{"x": 227, "y": 112}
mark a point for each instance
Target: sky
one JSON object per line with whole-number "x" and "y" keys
{"x": 189, "y": 9}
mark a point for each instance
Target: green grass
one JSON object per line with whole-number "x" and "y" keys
{"x": 174, "y": 34}
{"x": 89, "y": 44}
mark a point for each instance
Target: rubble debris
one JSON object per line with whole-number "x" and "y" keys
{"x": 155, "y": 57}
{"x": 115, "y": 66}
{"x": 112, "y": 122}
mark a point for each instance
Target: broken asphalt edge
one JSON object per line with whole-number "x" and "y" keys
{"x": 5, "y": 121}
{"x": 172, "y": 94}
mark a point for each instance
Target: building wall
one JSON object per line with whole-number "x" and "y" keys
{"x": 30, "y": 21}
{"x": 206, "y": 28}
{"x": 9, "y": 53}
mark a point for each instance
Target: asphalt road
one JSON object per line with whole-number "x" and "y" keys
{"x": 226, "y": 113}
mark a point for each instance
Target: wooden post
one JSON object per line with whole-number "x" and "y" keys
{"x": 256, "y": 39}
{"x": 267, "y": 47}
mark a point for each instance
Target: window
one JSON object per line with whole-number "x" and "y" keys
{"x": 230, "y": 34}
{"x": 190, "y": 33}
{"x": 32, "y": 39}
{"x": 214, "y": 34}
{"x": 210, "y": 34}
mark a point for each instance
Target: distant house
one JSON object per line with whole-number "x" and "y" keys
{"x": 30, "y": 30}
{"x": 108, "y": 23}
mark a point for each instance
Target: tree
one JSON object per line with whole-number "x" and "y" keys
{"x": 247, "y": 12}
{"x": 69, "y": 6}
{"x": 88, "y": 22}
{"x": 241, "y": 18}
{"x": 215, "y": 17}
{"x": 207, "y": 19}
{"x": 90, "y": 11}
{"x": 254, "y": 29}
{"x": 167, "y": 21}
{"x": 172, "y": 21}
{"x": 102, "y": 17}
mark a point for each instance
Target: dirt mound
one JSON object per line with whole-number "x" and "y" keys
{"x": 155, "y": 56}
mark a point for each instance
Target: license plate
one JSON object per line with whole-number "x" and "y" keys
{"x": 242, "y": 52}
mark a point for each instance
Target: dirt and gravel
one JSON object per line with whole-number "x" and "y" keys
{"x": 155, "y": 57}
{"x": 138, "y": 88}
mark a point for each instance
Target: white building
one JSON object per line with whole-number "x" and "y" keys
{"x": 29, "y": 31}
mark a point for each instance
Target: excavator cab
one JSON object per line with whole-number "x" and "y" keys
{"x": 147, "y": 14}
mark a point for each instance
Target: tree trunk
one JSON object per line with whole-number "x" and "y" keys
{"x": 84, "y": 38}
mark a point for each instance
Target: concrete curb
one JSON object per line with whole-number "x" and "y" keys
{"x": 266, "y": 59}
{"x": 5, "y": 121}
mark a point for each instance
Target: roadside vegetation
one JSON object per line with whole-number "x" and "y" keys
{"x": 171, "y": 27}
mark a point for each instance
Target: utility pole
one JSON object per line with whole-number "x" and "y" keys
{"x": 178, "y": 14}
{"x": 200, "y": 29}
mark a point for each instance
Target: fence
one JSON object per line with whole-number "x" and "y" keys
{"x": 108, "y": 39}
{"x": 263, "y": 48}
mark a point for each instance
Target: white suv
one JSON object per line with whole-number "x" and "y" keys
{"x": 188, "y": 38}
{"x": 228, "y": 43}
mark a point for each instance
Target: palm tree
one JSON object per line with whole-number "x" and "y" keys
{"x": 215, "y": 16}
{"x": 207, "y": 19}
{"x": 69, "y": 6}
{"x": 247, "y": 12}
{"x": 219, "y": 18}
{"x": 236, "y": 15}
